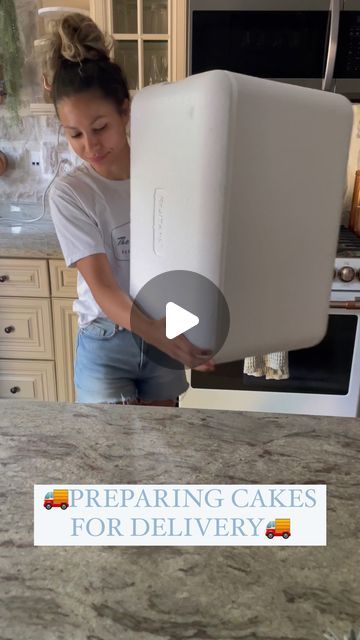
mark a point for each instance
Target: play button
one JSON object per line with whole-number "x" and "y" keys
{"x": 178, "y": 320}
{"x": 189, "y": 305}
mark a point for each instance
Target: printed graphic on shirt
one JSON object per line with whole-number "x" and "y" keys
{"x": 120, "y": 237}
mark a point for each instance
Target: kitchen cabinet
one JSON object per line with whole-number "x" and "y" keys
{"x": 65, "y": 331}
{"x": 38, "y": 329}
{"x": 63, "y": 291}
{"x": 27, "y": 380}
{"x": 149, "y": 35}
{"x": 27, "y": 367}
{"x": 51, "y": 11}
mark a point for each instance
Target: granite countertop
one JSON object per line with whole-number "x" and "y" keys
{"x": 39, "y": 240}
{"x": 29, "y": 240}
{"x": 175, "y": 593}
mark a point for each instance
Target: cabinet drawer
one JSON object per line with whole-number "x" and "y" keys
{"x": 24, "y": 278}
{"x": 26, "y": 380}
{"x": 63, "y": 280}
{"x": 26, "y": 329}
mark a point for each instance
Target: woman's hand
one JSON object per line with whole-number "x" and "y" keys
{"x": 179, "y": 348}
{"x": 117, "y": 305}
{"x": 208, "y": 366}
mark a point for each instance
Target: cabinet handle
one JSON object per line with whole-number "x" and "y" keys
{"x": 4, "y": 278}
{"x": 15, "y": 389}
{"x": 9, "y": 329}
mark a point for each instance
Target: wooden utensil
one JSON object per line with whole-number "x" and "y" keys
{"x": 354, "y": 221}
{"x": 3, "y": 163}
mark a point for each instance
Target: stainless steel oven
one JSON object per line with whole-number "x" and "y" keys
{"x": 313, "y": 43}
{"x": 324, "y": 379}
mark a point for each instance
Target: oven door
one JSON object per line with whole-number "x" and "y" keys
{"x": 324, "y": 380}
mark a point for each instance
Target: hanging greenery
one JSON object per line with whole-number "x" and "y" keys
{"x": 11, "y": 56}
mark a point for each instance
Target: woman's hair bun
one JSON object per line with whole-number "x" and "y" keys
{"x": 75, "y": 37}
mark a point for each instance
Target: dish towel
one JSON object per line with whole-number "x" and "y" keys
{"x": 274, "y": 366}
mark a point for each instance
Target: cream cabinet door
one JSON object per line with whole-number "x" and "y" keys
{"x": 28, "y": 278}
{"x": 27, "y": 380}
{"x": 25, "y": 328}
{"x": 63, "y": 280}
{"x": 65, "y": 333}
{"x": 179, "y": 39}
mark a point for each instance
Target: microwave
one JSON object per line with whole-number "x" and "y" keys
{"x": 311, "y": 43}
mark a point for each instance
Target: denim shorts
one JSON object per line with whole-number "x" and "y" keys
{"x": 111, "y": 365}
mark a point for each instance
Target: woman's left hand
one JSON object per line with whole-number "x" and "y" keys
{"x": 208, "y": 366}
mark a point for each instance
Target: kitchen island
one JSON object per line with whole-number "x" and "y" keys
{"x": 166, "y": 593}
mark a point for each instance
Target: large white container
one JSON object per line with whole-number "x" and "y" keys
{"x": 241, "y": 180}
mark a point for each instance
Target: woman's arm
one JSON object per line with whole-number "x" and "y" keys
{"x": 118, "y": 306}
{"x": 115, "y": 303}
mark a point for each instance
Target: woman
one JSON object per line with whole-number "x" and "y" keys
{"x": 90, "y": 208}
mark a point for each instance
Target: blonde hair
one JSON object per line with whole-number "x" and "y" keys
{"x": 77, "y": 59}
{"x": 75, "y": 37}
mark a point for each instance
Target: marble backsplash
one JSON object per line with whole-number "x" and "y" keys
{"x": 39, "y": 133}
{"x": 22, "y": 183}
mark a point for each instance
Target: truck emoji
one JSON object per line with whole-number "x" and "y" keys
{"x": 57, "y": 498}
{"x": 278, "y": 527}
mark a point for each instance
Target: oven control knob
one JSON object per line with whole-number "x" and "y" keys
{"x": 347, "y": 274}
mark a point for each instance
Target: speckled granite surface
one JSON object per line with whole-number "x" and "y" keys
{"x": 207, "y": 593}
{"x": 29, "y": 240}
{"x": 39, "y": 240}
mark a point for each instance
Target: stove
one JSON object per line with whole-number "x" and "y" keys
{"x": 348, "y": 244}
{"x": 324, "y": 378}
{"x": 347, "y": 263}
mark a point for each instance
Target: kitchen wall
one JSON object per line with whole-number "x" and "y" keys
{"x": 22, "y": 183}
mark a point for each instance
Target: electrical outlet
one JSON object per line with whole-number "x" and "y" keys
{"x": 35, "y": 160}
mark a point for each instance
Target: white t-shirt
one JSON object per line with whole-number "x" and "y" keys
{"x": 91, "y": 215}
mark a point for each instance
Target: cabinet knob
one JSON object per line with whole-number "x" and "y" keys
{"x": 15, "y": 389}
{"x": 4, "y": 278}
{"x": 9, "y": 329}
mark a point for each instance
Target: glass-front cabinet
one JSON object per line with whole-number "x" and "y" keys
{"x": 150, "y": 38}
